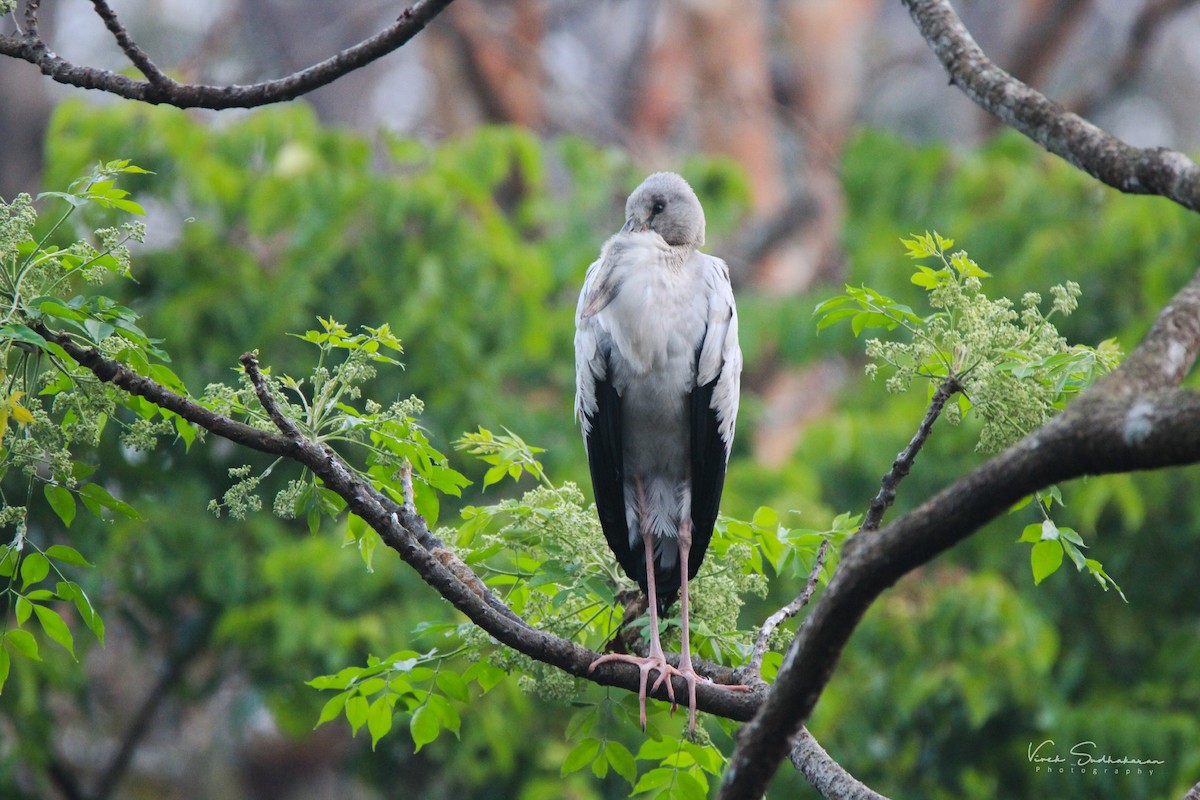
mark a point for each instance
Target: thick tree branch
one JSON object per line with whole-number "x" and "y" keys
{"x": 159, "y": 89}
{"x": 1133, "y": 419}
{"x": 403, "y": 530}
{"x": 1134, "y": 170}
{"x": 826, "y": 775}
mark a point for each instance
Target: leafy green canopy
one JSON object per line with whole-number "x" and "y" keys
{"x": 271, "y": 221}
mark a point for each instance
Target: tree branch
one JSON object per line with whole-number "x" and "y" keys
{"x": 879, "y": 505}
{"x": 825, "y": 774}
{"x": 904, "y": 461}
{"x": 403, "y": 530}
{"x": 787, "y": 612}
{"x": 1132, "y": 419}
{"x": 1134, "y": 170}
{"x": 134, "y": 53}
{"x": 159, "y": 89}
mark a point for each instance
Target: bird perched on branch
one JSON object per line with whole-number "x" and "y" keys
{"x": 658, "y": 369}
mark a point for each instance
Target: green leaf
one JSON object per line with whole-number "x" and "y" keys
{"x": 98, "y": 330}
{"x": 1031, "y": 533}
{"x": 447, "y": 714}
{"x": 1077, "y": 557}
{"x": 621, "y": 760}
{"x": 23, "y": 610}
{"x": 34, "y": 567}
{"x": 453, "y": 685}
{"x": 23, "y": 642}
{"x": 366, "y": 548}
{"x": 379, "y": 717}
{"x": 495, "y": 475}
{"x": 837, "y": 315}
{"x": 766, "y": 517}
{"x": 95, "y": 497}
{"x": 22, "y": 333}
{"x": 1049, "y": 530}
{"x": 62, "y": 502}
{"x": 424, "y": 727}
{"x": 356, "y": 712}
{"x": 689, "y": 785}
{"x": 4, "y": 667}
{"x": 84, "y": 606}
{"x": 55, "y": 628}
{"x": 1071, "y": 536}
{"x": 580, "y": 756}
{"x": 67, "y": 555}
{"x": 333, "y": 706}
{"x": 1046, "y": 557}
{"x": 656, "y": 778}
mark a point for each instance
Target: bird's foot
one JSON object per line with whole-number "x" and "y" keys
{"x": 691, "y": 678}
{"x": 644, "y": 665}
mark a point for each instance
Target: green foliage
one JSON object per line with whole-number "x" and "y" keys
{"x": 270, "y": 222}
{"x": 54, "y": 411}
{"x": 397, "y": 449}
{"x": 473, "y": 252}
{"x": 1051, "y": 543}
{"x": 507, "y": 453}
{"x": 1011, "y": 370}
{"x": 1014, "y": 368}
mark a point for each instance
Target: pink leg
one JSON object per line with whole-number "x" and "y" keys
{"x": 655, "y": 658}
{"x": 686, "y": 671}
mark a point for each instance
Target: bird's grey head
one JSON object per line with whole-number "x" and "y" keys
{"x": 665, "y": 204}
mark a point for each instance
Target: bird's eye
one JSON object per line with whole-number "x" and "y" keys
{"x": 658, "y": 207}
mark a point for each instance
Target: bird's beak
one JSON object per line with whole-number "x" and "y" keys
{"x": 632, "y": 225}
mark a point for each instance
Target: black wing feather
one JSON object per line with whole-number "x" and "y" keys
{"x": 708, "y": 471}
{"x": 607, "y": 464}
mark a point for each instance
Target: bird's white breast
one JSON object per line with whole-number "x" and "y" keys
{"x": 657, "y": 319}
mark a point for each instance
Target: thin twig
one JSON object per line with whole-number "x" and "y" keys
{"x": 879, "y": 505}
{"x": 904, "y": 461}
{"x": 787, "y": 612}
{"x": 267, "y": 400}
{"x": 406, "y": 486}
{"x": 31, "y": 18}
{"x": 135, "y": 54}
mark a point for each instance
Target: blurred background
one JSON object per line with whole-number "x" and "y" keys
{"x": 458, "y": 189}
